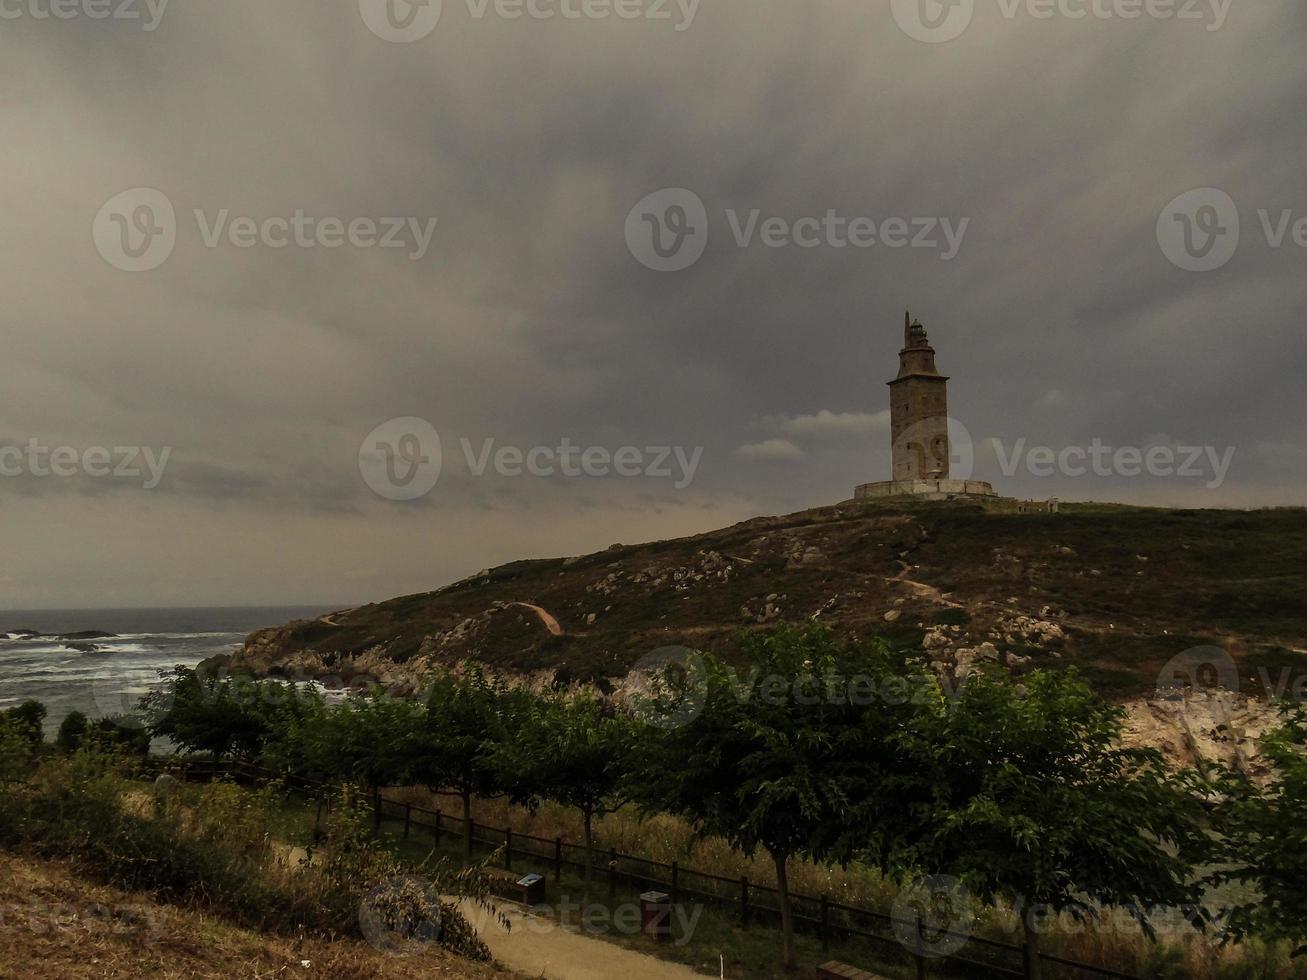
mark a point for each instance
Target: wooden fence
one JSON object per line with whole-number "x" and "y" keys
{"x": 754, "y": 903}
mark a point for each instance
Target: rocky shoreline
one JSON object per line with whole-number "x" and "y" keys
{"x": 1191, "y": 728}
{"x": 78, "y": 642}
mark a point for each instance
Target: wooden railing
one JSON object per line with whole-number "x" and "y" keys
{"x": 755, "y": 903}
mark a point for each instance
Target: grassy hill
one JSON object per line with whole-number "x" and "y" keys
{"x": 1116, "y": 590}
{"x": 68, "y": 927}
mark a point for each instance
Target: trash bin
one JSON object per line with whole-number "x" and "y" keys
{"x": 656, "y": 915}
{"x": 533, "y": 889}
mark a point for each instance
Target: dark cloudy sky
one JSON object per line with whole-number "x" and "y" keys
{"x": 1060, "y": 141}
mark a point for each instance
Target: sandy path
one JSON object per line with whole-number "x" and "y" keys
{"x": 540, "y": 948}
{"x": 545, "y": 615}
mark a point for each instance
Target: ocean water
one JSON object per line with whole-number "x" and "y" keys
{"x": 112, "y": 678}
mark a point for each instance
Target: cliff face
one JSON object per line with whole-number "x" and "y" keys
{"x": 1116, "y": 591}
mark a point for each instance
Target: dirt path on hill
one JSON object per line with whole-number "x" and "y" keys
{"x": 545, "y": 615}
{"x": 539, "y": 947}
{"x": 920, "y": 589}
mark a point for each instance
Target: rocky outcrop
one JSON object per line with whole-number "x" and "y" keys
{"x": 1194, "y": 728}
{"x": 1115, "y": 591}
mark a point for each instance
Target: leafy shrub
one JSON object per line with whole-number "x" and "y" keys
{"x": 72, "y": 731}
{"x": 26, "y": 720}
{"x": 210, "y": 846}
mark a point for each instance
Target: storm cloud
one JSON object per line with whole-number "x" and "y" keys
{"x": 502, "y": 155}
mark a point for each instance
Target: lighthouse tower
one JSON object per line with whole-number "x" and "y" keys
{"x": 918, "y": 410}
{"x": 921, "y": 453}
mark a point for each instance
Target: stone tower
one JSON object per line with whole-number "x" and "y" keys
{"x": 919, "y": 410}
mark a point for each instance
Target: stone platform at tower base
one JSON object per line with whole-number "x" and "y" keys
{"x": 924, "y": 489}
{"x": 963, "y": 491}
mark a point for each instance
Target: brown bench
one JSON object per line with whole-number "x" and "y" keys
{"x": 842, "y": 971}
{"x": 527, "y": 889}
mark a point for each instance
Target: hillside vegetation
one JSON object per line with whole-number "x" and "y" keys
{"x": 1117, "y": 591}
{"x": 62, "y": 925}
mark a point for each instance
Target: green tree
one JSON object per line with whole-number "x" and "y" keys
{"x": 201, "y": 712}
{"x": 795, "y": 757}
{"x": 371, "y": 739}
{"x": 225, "y": 716}
{"x": 1037, "y": 802}
{"x": 17, "y": 752}
{"x": 72, "y": 731}
{"x": 470, "y": 715}
{"x": 27, "y": 720}
{"x": 118, "y": 734}
{"x": 572, "y": 750}
{"x": 1266, "y": 837}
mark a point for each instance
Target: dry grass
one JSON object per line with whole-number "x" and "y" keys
{"x": 55, "y": 924}
{"x": 664, "y": 838}
{"x": 1181, "y": 953}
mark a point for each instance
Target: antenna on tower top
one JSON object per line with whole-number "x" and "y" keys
{"x": 907, "y": 328}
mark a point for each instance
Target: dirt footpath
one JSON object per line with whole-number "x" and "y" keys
{"x": 540, "y": 948}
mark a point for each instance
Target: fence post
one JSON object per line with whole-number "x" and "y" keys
{"x": 612, "y": 873}
{"x": 408, "y": 818}
{"x": 676, "y": 880}
{"x": 508, "y": 849}
{"x": 558, "y": 859}
{"x": 921, "y": 966}
{"x": 1030, "y": 953}
{"x": 825, "y": 924}
{"x": 470, "y": 830}
{"x": 744, "y": 901}
{"x": 437, "y": 831}
{"x": 376, "y": 808}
